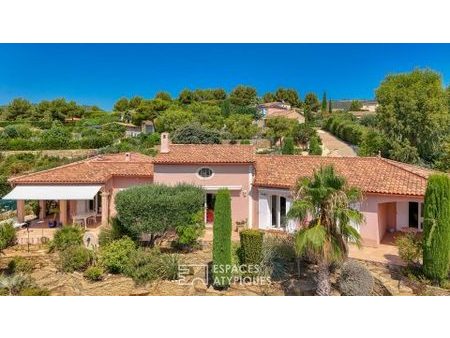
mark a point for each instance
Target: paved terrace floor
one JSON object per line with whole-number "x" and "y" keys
{"x": 39, "y": 231}
{"x": 386, "y": 252}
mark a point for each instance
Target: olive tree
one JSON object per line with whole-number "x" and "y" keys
{"x": 155, "y": 209}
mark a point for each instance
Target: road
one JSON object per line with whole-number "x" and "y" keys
{"x": 333, "y": 146}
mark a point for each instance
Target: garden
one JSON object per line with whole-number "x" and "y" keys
{"x": 155, "y": 245}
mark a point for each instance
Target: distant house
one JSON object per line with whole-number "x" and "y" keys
{"x": 131, "y": 130}
{"x": 72, "y": 119}
{"x": 278, "y": 109}
{"x": 147, "y": 127}
{"x": 368, "y": 107}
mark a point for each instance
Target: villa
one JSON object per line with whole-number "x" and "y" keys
{"x": 260, "y": 185}
{"x": 278, "y": 109}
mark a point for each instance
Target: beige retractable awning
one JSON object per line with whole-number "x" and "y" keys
{"x": 53, "y": 192}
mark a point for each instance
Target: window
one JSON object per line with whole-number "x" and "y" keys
{"x": 278, "y": 210}
{"x": 205, "y": 172}
{"x": 274, "y": 211}
{"x": 282, "y": 211}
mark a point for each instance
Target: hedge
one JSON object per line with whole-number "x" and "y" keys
{"x": 37, "y": 124}
{"x": 345, "y": 129}
{"x": 251, "y": 246}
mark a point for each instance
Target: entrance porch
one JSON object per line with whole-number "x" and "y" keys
{"x": 399, "y": 216}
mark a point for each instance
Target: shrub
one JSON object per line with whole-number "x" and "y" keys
{"x": 409, "y": 248}
{"x": 75, "y": 258}
{"x": 34, "y": 291}
{"x": 66, "y": 237}
{"x": 288, "y": 146}
{"x": 251, "y": 246}
{"x": 355, "y": 280}
{"x": 35, "y": 207}
{"x": 196, "y": 134}
{"x": 19, "y": 264}
{"x": 13, "y": 284}
{"x": 94, "y": 273}
{"x": 154, "y": 209}
{"x": 17, "y": 131}
{"x": 56, "y": 137}
{"x": 7, "y": 235}
{"x": 142, "y": 266}
{"x": 168, "y": 266}
{"x": 116, "y": 231}
{"x": 282, "y": 246}
{"x": 148, "y": 265}
{"x": 115, "y": 255}
{"x": 314, "y": 146}
{"x": 436, "y": 242}
{"x": 189, "y": 234}
{"x": 277, "y": 254}
{"x": 222, "y": 239}
{"x": 245, "y": 142}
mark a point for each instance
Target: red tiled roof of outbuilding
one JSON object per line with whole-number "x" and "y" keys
{"x": 97, "y": 169}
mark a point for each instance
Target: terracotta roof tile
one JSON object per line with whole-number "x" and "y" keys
{"x": 287, "y": 113}
{"x": 207, "y": 153}
{"x": 370, "y": 174}
{"x": 93, "y": 170}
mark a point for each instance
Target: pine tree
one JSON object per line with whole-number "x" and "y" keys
{"x": 436, "y": 240}
{"x": 222, "y": 240}
{"x": 288, "y": 146}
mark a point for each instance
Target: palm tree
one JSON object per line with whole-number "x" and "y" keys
{"x": 322, "y": 205}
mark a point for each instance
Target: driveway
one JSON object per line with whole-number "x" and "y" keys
{"x": 333, "y": 146}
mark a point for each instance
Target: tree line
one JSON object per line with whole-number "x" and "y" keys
{"x": 411, "y": 124}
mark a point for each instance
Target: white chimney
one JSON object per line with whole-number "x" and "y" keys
{"x": 127, "y": 157}
{"x": 164, "y": 143}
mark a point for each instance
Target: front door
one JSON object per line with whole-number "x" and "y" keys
{"x": 210, "y": 201}
{"x": 413, "y": 215}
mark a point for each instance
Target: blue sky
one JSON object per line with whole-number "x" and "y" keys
{"x": 101, "y": 73}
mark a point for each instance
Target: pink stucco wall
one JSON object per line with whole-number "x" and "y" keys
{"x": 380, "y": 212}
{"x": 371, "y": 231}
{"x": 117, "y": 183}
{"x": 224, "y": 176}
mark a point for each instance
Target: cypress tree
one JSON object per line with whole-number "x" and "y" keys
{"x": 324, "y": 102}
{"x": 436, "y": 228}
{"x": 330, "y": 109}
{"x": 288, "y": 146}
{"x": 222, "y": 240}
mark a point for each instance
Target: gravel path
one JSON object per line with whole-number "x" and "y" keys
{"x": 334, "y": 146}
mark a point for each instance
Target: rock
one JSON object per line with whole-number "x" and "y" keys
{"x": 200, "y": 286}
{"x": 141, "y": 292}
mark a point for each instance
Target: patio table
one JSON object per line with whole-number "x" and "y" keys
{"x": 84, "y": 217}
